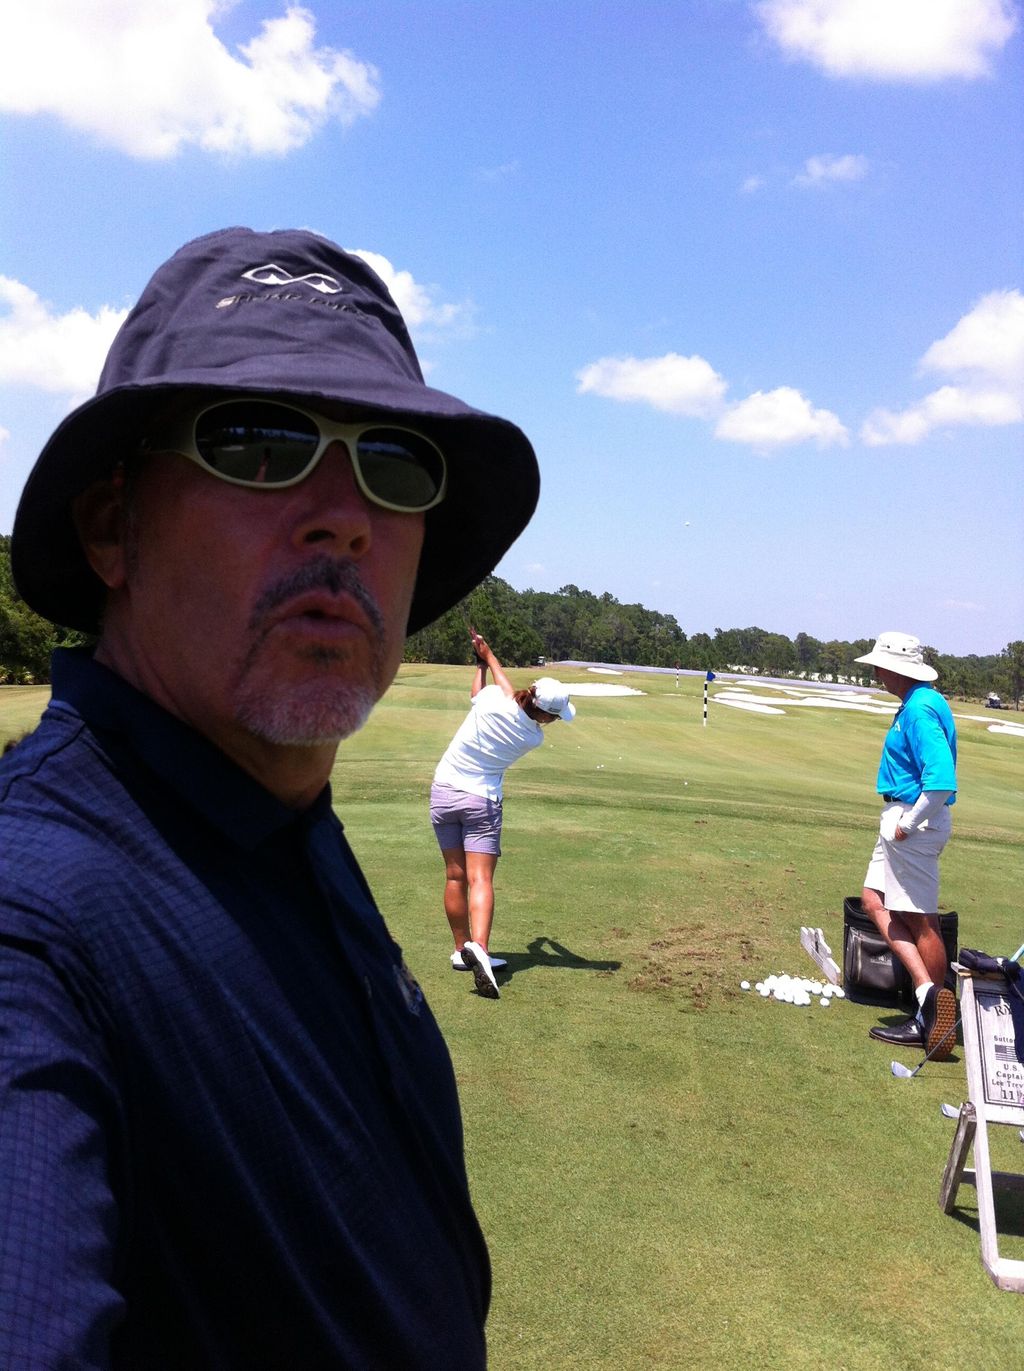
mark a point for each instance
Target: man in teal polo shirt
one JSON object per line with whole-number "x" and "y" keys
{"x": 917, "y": 782}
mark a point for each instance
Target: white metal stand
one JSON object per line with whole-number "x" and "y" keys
{"x": 995, "y": 1086}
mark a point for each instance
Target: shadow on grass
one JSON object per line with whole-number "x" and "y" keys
{"x": 1009, "y": 1205}
{"x": 546, "y": 952}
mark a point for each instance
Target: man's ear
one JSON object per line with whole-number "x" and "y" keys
{"x": 100, "y": 517}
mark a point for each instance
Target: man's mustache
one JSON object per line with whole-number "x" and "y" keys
{"x": 322, "y": 573}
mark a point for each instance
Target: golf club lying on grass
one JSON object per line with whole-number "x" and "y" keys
{"x": 904, "y": 1073}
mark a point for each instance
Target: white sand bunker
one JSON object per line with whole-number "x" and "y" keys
{"x": 825, "y": 698}
{"x": 602, "y": 688}
{"x": 1014, "y": 730}
{"x": 825, "y": 691}
{"x": 843, "y": 702}
{"x": 989, "y": 718}
{"x": 739, "y": 699}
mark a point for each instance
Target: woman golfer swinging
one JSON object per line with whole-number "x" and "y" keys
{"x": 465, "y": 800}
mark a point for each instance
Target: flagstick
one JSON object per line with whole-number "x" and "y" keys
{"x": 708, "y": 676}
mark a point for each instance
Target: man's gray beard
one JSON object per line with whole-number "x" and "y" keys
{"x": 323, "y": 710}
{"x": 310, "y": 716}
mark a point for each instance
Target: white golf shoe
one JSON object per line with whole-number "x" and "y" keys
{"x": 480, "y": 964}
{"x": 459, "y": 965}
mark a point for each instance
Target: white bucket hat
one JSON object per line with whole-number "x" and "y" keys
{"x": 902, "y": 653}
{"x": 553, "y": 698}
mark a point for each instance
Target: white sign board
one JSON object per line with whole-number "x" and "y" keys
{"x": 995, "y": 1084}
{"x": 1002, "y": 1071}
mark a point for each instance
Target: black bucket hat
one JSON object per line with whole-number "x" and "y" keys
{"x": 288, "y": 314}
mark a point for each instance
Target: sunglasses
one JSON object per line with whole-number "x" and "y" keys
{"x": 266, "y": 445}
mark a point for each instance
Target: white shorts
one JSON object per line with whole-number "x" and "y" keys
{"x": 907, "y": 872}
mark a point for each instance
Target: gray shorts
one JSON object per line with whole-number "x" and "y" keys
{"x": 907, "y": 873}
{"x": 463, "y": 820}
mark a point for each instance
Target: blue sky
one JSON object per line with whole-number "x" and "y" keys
{"x": 749, "y": 275}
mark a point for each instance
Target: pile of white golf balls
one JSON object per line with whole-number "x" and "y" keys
{"x": 796, "y": 990}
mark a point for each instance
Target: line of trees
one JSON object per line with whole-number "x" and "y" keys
{"x": 574, "y": 624}
{"x": 523, "y": 626}
{"x": 26, "y": 640}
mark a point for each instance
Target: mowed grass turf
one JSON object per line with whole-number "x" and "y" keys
{"x": 672, "y": 1172}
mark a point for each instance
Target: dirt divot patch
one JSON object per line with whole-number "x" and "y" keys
{"x": 696, "y": 960}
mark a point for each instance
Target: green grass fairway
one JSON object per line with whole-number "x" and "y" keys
{"x": 672, "y": 1172}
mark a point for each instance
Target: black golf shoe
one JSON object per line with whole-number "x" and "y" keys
{"x": 906, "y": 1034}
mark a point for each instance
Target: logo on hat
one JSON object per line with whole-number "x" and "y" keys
{"x": 270, "y": 274}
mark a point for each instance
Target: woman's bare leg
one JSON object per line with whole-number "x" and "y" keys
{"x": 456, "y": 894}
{"x": 480, "y": 872}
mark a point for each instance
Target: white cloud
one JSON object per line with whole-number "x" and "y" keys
{"x": 419, "y": 304}
{"x": 150, "y": 78}
{"x": 780, "y": 418}
{"x": 59, "y": 353}
{"x": 63, "y": 354}
{"x": 948, "y": 407}
{"x": 818, "y": 170}
{"x": 984, "y": 354}
{"x": 891, "y": 40}
{"x": 989, "y": 341}
{"x": 673, "y": 384}
{"x": 752, "y": 184}
{"x": 690, "y": 387}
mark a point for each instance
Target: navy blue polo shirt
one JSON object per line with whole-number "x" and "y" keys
{"x": 229, "y": 1130}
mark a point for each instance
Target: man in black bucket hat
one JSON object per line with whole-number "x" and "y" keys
{"x": 230, "y": 1134}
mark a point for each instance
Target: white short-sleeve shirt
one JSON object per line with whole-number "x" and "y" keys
{"x": 494, "y": 734}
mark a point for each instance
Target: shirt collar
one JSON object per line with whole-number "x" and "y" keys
{"x": 189, "y": 764}
{"x": 918, "y": 685}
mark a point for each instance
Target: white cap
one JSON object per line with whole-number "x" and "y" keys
{"x": 553, "y": 698}
{"x": 902, "y": 653}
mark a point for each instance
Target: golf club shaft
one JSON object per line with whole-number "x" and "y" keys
{"x": 941, "y": 1043}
